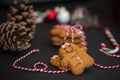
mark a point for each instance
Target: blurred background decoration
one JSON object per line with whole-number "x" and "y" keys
{"x": 108, "y": 11}
{"x": 8, "y": 2}
{"x": 82, "y": 16}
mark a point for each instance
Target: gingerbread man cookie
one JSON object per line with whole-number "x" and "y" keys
{"x": 72, "y": 57}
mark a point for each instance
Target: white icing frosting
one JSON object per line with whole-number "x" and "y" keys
{"x": 64, "y": 45}
{"x": 78, "y": 58}
{"x": 55, "y": 56}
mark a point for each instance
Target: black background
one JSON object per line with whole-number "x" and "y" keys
{"x": 103, "y": 8}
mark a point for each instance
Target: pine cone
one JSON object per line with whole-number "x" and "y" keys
{"x": 21, "y": 14}
{"x": 14, "y": 36}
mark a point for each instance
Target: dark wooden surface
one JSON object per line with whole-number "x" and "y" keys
{"x": 42, "y": 41}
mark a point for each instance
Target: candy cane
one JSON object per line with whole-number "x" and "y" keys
{"x": 114, "y": 43}
{"x": 35, "y": 69}
{"x": 108, "y": 51}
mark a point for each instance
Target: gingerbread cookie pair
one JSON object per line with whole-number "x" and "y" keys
{"x": 66, "y": 33}
{"x": 72, "y": 57}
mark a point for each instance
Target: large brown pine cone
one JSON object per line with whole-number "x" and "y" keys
{"x": 15, "y": 36}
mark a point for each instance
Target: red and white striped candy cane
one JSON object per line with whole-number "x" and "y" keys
{"x": 35, "y": 69}
{"x": 108, "y": 67}
{"x": 114, "y": 43}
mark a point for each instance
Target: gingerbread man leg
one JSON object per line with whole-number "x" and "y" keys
{"x": 76, "y": 65}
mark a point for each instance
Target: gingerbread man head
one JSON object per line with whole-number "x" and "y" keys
{"x": 67, "y": 49}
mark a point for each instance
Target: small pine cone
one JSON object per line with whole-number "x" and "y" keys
{"x": 15, "y": 37}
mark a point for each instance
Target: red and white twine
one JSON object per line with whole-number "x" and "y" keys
{"x": 45, "y": 67}
{"x": 35, "y": 69}
{"x": 114, "y": 43}
{"x": 73, "y": 29}
{"x": 108, "y": 67}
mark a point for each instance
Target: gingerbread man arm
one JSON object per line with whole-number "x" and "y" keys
{"x": 55, "y": 60}
{"x": 88, "y": 60}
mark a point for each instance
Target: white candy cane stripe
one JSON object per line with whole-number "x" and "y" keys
{"x": 111, "y": 55}
{"x": 104, "y": 48}
{"x": 35, "y": 69}
{"x": 112, "y": 40}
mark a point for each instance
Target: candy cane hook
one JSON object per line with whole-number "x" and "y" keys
{"x": 112, "y": 40}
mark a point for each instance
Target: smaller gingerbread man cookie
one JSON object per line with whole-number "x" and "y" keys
{"x": 72, "y": 57}
{"x": 66, "y": 33}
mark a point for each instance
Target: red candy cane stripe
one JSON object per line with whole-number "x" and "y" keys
{"x": 35, "y": 69}
{"x": 114, "y": 43}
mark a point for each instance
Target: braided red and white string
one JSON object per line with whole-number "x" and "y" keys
{"x": 73, "y": 29}
{"x": 114, "y": 43}
{"x": 44, "y": 69}
{"x": 108, "y": 67}
{"x": 35, "y": 69}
